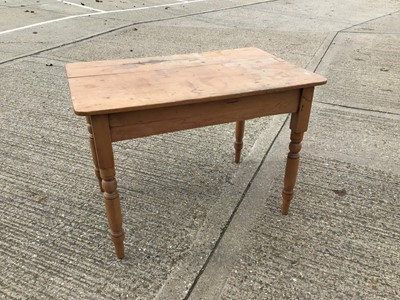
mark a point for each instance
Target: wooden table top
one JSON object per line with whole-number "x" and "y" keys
{"x": 101, "y": 87}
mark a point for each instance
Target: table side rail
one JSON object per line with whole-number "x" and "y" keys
{"x": 141, "y": 123}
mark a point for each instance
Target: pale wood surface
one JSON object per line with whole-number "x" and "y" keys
{"x": 94, "y": 151}
{"x": 298, "y": 125}
{"x": 140, "y": 123}
{"x": 135, "y": 84}
{"x": 105, "y": 159}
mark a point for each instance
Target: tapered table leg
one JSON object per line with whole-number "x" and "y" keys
{"x": 94, "y": 152}
{"x": 298, "y": 125}
{"x": 239, "y": 133}
{"x": 292, "y": 166}
{"x": 103, "y": 146}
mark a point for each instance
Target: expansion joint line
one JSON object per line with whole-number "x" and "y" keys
{"x": 347, "y": 28}
{"x": 260, "y": 165}
{"x": 223, "y": 230}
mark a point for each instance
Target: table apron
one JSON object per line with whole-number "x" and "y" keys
{"x": 141, "y": 123}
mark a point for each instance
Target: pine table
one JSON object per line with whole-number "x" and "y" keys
{"x": 132, "y": 98}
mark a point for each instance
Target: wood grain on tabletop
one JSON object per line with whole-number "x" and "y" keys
{"x": 134, "y": 84}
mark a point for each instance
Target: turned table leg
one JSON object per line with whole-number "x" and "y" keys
{"x": 239, "y": 133}
{"x": 105, "y": 157}
{"x": 298, "y": 125}
{"x": 292, "y": 166}
{"x": 94, "y": 152}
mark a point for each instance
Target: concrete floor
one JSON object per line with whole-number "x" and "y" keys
{"x": 197, "y": 225}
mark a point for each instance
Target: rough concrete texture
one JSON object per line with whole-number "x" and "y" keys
{"x": 197, "y": 225}
{"x": 359, "y": 55}
{"x": 329, "y": 248}
{"x": 147, "y": 39}
{"x": 345, "y": 216}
